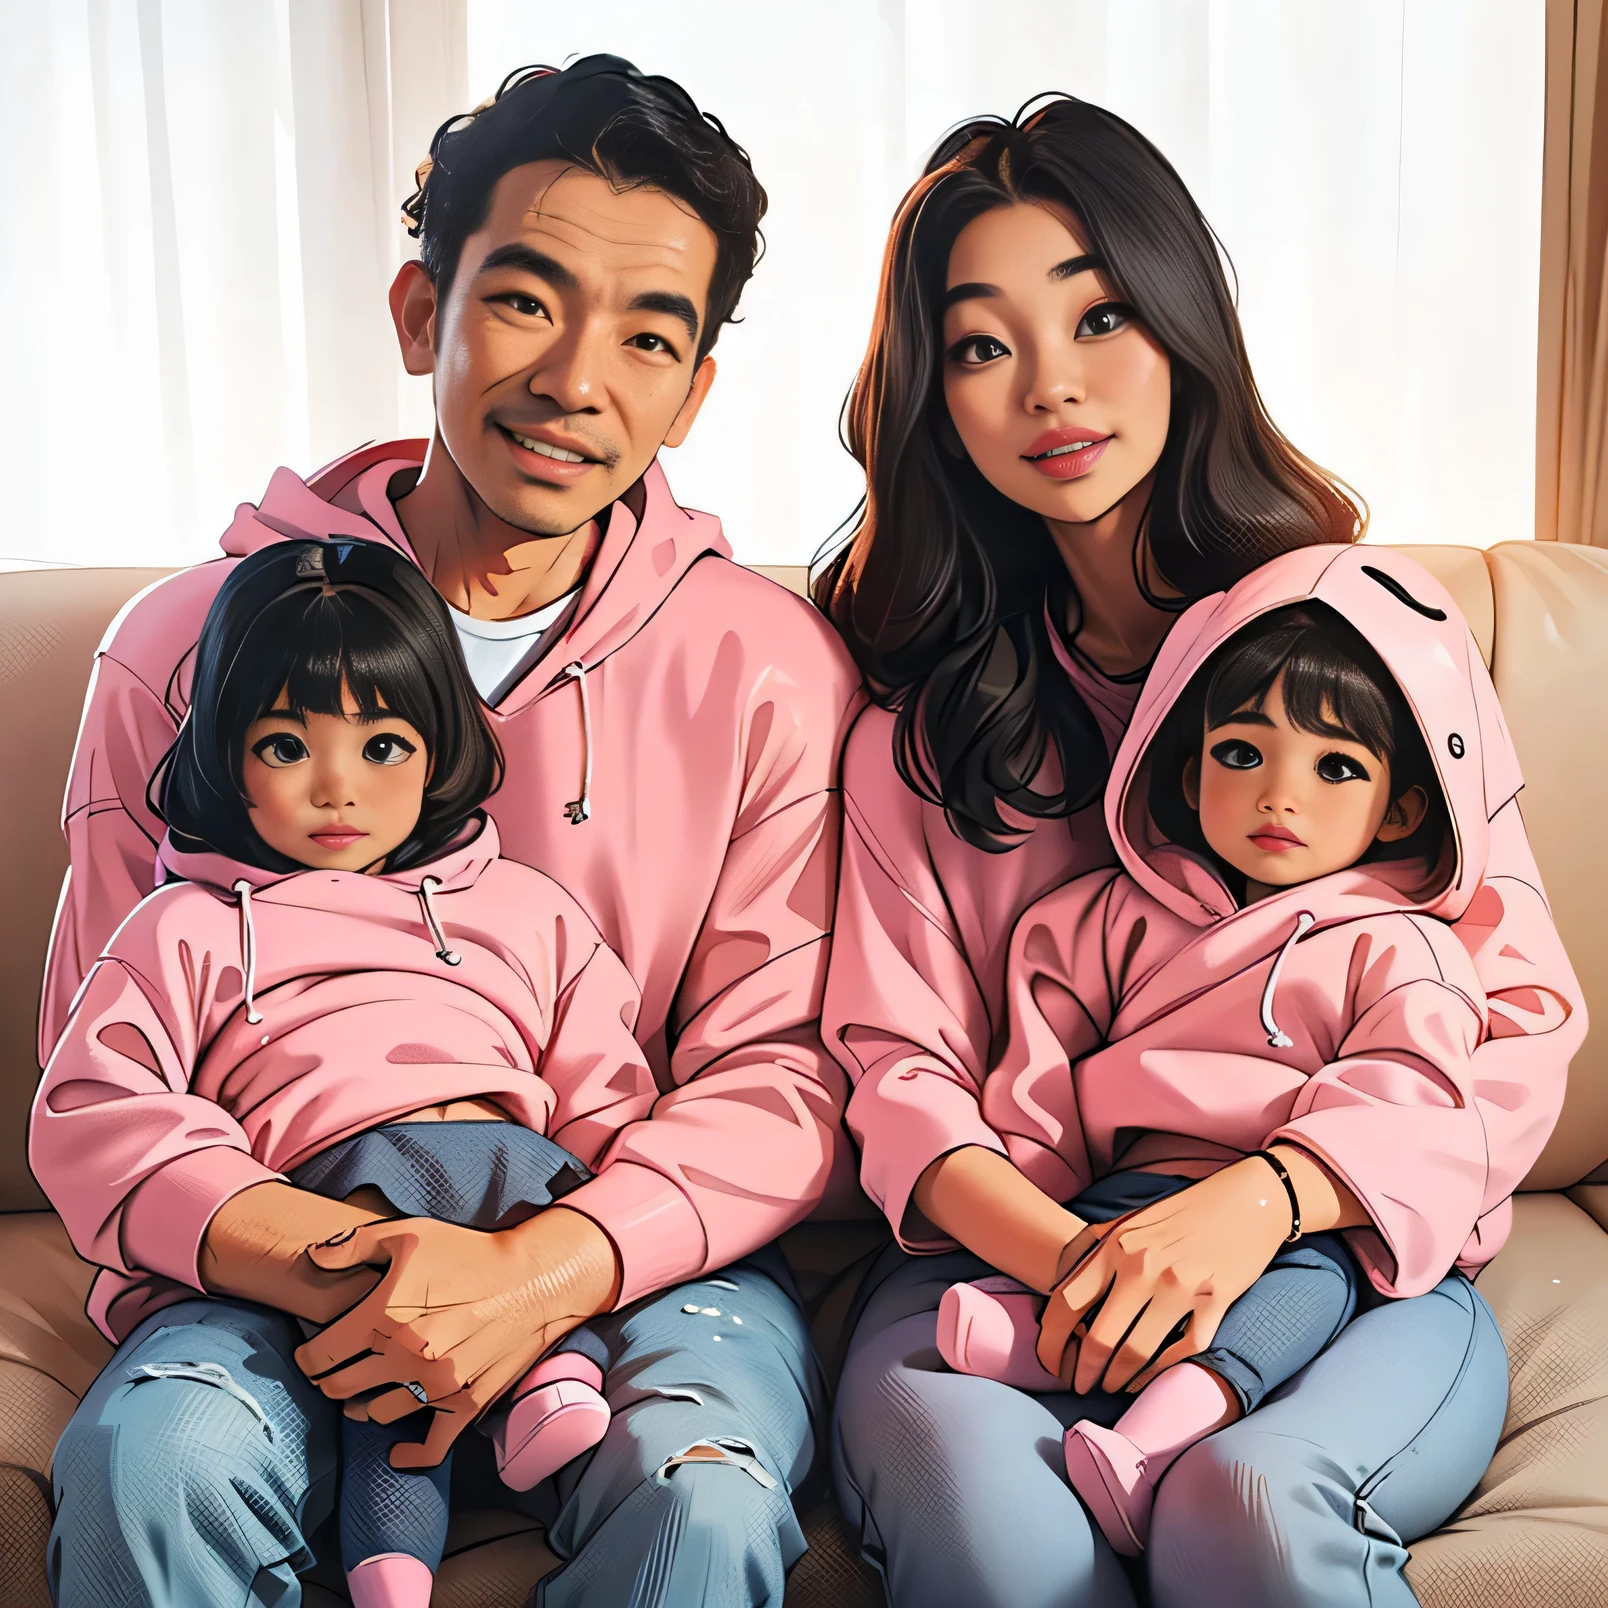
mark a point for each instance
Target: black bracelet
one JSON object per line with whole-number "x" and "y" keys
{"x": 1289, "y": 1189}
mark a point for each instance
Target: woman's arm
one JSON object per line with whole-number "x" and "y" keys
{"x": 978, "y": 1198}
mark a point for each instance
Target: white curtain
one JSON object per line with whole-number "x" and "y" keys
{"x": 201, "y": 225}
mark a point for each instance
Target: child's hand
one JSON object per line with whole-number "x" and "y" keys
{"x": 459, "y": 1314}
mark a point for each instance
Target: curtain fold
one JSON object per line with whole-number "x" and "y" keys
{"x": 1572, "y": 350}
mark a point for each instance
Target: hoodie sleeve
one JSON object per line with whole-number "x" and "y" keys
{"x": 918, "y": 948}
{"x": 742, "y": 1144}
{"x": 1397, "y": 1112}
{"x": 1537, "y": 1020}
{"x": 1062, "y": 977}
{"x": 135, "y": 1164}
{"x": 111, "y": 833}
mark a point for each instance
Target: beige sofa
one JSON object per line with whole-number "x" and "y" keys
{"x": 1534, "y": 1533}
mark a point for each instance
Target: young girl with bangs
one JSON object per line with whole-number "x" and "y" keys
{"x": 339, "y": 988}
{"x": 1064, "y": 449}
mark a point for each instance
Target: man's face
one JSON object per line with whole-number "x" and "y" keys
{"x": 563, "y": 354}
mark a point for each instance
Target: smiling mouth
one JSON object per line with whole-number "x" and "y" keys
{"x": 1071, "y": 446}
{"x": 544, "y": 449}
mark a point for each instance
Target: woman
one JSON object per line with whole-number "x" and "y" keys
{"x": 1064, "y": 446}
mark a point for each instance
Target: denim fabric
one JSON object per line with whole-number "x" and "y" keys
{"x": 958, "y": 1489}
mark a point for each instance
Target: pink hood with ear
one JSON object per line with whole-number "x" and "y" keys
{"x": 1154, "y": 1024}
{"x": 1415, "y": 627}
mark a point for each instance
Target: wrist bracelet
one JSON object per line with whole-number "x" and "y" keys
{"x": 1289, "y": 1189}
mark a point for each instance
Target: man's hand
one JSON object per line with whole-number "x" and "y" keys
{"x": 459, "y": 1313}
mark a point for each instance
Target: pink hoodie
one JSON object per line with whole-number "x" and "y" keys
{"x": 699, "y": 710}
{"x": 229, "y": 1034}
{"x": 917, "y": 987}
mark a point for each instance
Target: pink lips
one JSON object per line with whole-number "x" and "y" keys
{"x": 337, "y": 840}
{"x": 1276, "y": 840}
{"x": 1066, "y": 465}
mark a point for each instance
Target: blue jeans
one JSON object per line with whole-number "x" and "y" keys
{"x": 201, "y": 1461}
{"x": 957, "y": 1487}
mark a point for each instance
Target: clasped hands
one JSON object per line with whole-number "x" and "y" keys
{"x": 458, "y": 1312}
{"x": 1179, "y": 1264}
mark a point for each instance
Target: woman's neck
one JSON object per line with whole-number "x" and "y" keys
{"x": 1120, "y": 628}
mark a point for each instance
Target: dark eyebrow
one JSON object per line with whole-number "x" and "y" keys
{"x": 972, "y": 290}
{"x": 1243, "y": 717}
{"x": 533, "y": 262}
{"x": 283, "y": 714}
{"x": 1073, "y": 266}
{"x": 667, "y": 301}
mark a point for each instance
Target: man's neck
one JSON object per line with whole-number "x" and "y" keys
{"x": 1120, "y": 628}
{"x": 479, "y": 563}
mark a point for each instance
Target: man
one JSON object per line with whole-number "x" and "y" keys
{"x": 670, "y": 724}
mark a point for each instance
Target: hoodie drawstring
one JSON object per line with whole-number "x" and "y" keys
{"x": 426, "y": 888}
{"x": 580, "y": 809}
{"x": 248, "y": 949}
{"x": 1276, "y": 1038}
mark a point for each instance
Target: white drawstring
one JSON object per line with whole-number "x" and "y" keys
{"x": 1277, "y": 1039}
{"x": 580, "y": 809}
{"x": 248, "y": 948}
{"x": 426, "y": 888}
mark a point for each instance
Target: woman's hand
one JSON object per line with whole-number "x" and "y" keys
{"x": 1185, "y": 1259}
{"x": 459, "y": 1313}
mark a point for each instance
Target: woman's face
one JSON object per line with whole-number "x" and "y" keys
{"x": 1058, "y": 394}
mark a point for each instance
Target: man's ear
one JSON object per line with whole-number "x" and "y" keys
{"x": 1191, "y": 782}
{"x": 701, "y": 381}
{"x": 413, "y": 311}
{"x": 1404, "y": 817}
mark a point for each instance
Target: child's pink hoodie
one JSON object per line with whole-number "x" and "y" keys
{"x": 705, "y": 739}
{"x": 164, "y": 1098}
{"x": 1432, "y": 1116}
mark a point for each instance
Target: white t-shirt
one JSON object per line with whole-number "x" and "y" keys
{"x": 495, "y": 649}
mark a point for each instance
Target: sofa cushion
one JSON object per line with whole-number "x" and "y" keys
{"x": 50, "y": 623}
{"x": 1535, "y": 1531}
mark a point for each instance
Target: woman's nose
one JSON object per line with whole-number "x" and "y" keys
{"x": 1057, "y": 377}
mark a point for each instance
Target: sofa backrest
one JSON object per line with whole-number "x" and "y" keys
{"x": 1539, "y": 612}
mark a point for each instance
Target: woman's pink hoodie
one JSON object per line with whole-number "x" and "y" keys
{"x": 1431, "y": 1115}
{"x": 241, "y": 1021}
{"x": 693, "y": 713}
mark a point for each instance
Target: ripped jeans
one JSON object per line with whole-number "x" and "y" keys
{"x": 201, "y": 1462}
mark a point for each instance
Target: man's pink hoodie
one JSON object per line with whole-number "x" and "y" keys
{"x": 241, "y": 1021}
{"x": 1445, "y": 1127}
{"x": 698, "y": 710}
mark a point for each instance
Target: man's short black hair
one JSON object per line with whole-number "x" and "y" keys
{"x": 605, "y": 116}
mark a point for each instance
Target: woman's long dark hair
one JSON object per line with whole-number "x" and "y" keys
{"x": 314, "y": 621}
{"x": 945, "y": 590}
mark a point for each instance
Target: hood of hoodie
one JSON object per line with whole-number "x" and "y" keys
{"x": 459, "y": 866}
{"x": 1412, "y": 623}
{"x": 639, "y": 563}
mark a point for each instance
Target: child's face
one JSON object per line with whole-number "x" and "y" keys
{"x": 334, "y": 793}
{"x": 1283, "y": 806}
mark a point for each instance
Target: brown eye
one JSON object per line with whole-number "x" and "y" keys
{"x": 976, "y": 350}
{"x": 387, "y": 749}
{"x": 1341, "y": 768}
{"x": 1237, "y": 754}
{"x": 1106, "y": 319}
{"x": 280, "y": 749}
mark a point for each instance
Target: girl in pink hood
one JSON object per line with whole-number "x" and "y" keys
{"x": 339, "y": 984}
{"x": 1264, "y": 970}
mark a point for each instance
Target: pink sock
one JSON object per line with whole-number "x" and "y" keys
{"x": 1176, "y": 1409}
{"x": 392, "y": 1580}
{"x": 561, "y": 1365}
